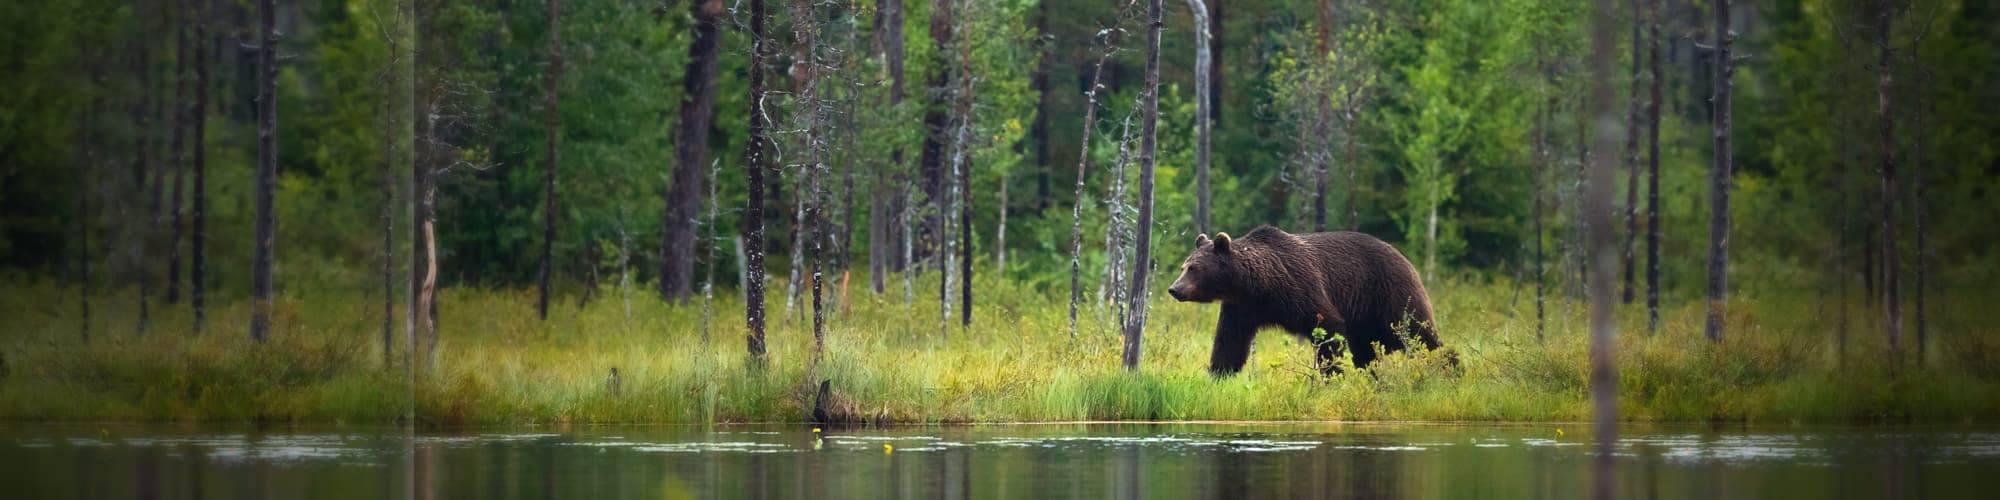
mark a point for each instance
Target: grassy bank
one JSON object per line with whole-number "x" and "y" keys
{"x": 888, "y": 362}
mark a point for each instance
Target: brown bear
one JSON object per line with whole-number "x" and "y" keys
{"x": 1347, "y": 283}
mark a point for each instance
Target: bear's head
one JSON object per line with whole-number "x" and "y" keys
{"x": 1212, "y": 273}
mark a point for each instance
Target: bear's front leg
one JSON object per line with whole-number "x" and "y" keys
{"x": 1233, "y": 332}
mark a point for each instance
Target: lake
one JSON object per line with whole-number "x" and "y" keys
{"x": 1123, "y": 460}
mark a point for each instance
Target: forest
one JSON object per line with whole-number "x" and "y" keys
{"x": 895, "y": 211}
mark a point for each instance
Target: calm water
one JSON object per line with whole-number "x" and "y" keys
{"x": 1021, "y": 461}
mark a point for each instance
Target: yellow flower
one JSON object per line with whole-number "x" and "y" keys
{"x": 815, "y": 430}
{"x": 886, "y": 449}
{"x": 1559, "y": 432}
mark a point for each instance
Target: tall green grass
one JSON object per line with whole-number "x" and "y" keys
{"x": 891, "y": 361}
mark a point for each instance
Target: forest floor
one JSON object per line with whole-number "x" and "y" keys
{"x": 889, "y": 361}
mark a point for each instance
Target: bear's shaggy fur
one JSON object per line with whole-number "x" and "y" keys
{"x": 1347, "y": 283}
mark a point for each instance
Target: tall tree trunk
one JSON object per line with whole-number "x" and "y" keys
{"x": 1891, "y": 258}
{"x": 198, "y": 240}
{"x": 1918, "y": 206}
{"x": 964, "y": 174}
{"x": 714, "y": 237}
{"x": 1581, "y": 233}
{"x": 1323, "y": 115}
{"x": 1603, "y": 251}
{"x": 425, "y": 97}
{"x": 810, "y": 224}
{"x": 140, "y": 233}
{"x": 691, "y": 153}
{"x": 1216, "y": 79}
{"x": 1541, "y": 170}
{"x": 1045, "y": 60}
{"x": 1110, "y": 40}
{"x": 1653, "y": 171}
{"x": 85, "y": 178}
{"x": 394, "y": 91}
{"x": 1870, "y": 274}
{"x": 267, "y": 169}
{"x": 935, "y": 174}
{"x": 931, "y": 160}
{"x": 1347, "y": 126}
{"x": 1202, "y": 109}
{"x": 1632, "y": 118}
{"x": 1718, "y": 226}
{"x": 176, "y": 218}
{"x": 753, "y": 219}
{"x": 1841, "y": 268}
{"x": 1135, "y": 323}
{"x": 551, "y": 123}
{"x": 887, "y": 223}
{"x": 1000, "y": 234}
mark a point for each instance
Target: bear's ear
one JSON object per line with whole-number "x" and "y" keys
{"x": 1201, "y": 241}
{"x": 1221, "y": 242}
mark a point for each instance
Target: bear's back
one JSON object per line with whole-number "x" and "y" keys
{"x": 1365, "y": 276}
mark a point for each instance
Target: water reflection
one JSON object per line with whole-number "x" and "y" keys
{"x": 1114, "y": 461}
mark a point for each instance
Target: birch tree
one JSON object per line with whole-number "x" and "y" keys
{"x": 753, "y": 219}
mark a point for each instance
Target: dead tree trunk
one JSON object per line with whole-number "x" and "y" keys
{"x": 1110, "y": 41}
{"x": 552, "y": 122}
{"x": 1884, "y": 108}
{"x": 1202, "y": 106}
{"x": 1135, "y": 322}
{"x": 753, "y": 219}
{"x": 267, "y": 170}
{"x": 1718, "y": 226}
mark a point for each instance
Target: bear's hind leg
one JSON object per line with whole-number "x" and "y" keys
{"x": 1326, "y": 352}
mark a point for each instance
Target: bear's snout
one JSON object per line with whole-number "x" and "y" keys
{"x": 1176, "y": 293}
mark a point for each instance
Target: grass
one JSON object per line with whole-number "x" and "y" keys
{"x": 888, "y": 362}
